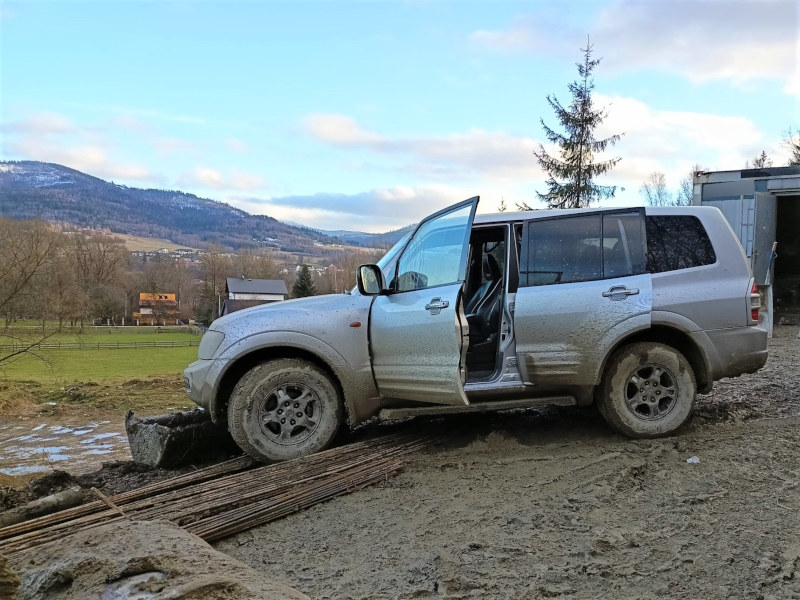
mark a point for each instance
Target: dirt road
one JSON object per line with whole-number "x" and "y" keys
{"x": 552, "y": 504}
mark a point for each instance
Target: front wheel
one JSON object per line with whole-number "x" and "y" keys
{"x": 283, "y": 409}
{"x": 648, "y": 390}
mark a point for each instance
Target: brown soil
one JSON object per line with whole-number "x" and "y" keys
{"x": 112, "y": 478}
{"x": 28, "y": 399}
{"x": 142, "y": 560}
{"x": 546, "y": 504}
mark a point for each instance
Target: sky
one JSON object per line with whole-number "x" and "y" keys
{"x": 369, "y": 115}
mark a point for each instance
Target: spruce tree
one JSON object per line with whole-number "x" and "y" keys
{"x": 570, "y": 182}
{"x": 303, "y": 285}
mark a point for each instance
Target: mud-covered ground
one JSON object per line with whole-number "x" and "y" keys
{"x": 552, "y": 504}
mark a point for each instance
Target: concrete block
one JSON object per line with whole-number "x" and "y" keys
{"x": 177, "y": 439}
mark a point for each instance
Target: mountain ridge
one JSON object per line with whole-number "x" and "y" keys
{"x": 53, "y": 192}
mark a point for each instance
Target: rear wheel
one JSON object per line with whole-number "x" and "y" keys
{"x": 648, "y": 390}
{"x": 283, "y": 409}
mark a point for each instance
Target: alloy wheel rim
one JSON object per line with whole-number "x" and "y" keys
{"x": 651, "y": 392}
{"x": 289, "y": 413}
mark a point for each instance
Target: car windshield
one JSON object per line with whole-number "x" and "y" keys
{"x": 388, "y": 261}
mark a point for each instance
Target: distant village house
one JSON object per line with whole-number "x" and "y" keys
{"x": 157, "y": 309}
{"x": 244, "y": 293}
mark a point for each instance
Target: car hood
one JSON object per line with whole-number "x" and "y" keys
{"x": 315, "y": 316}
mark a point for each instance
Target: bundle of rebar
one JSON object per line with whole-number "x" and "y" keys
{"x": 230, "y": 497}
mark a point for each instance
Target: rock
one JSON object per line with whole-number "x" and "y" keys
{"x": 147, "y": 560}
{"x": 177, "y": 439}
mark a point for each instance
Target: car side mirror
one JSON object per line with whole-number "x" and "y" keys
{"x": 370, "y": 280}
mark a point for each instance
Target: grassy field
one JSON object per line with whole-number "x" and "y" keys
{"x": 135, "y": 242}
{"x": 59, "y": 366}
{"x": 107, "y": 379}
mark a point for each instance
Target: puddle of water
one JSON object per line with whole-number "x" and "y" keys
{"x": 36, "y": 447}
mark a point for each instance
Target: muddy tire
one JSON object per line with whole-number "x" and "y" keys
{"x": 283, "y": 409}
{"x": 648, "y": 390}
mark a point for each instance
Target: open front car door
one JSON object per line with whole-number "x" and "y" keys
{"x": 418, "y": 330}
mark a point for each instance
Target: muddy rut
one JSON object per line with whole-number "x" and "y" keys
{"x": 552, "y": 504}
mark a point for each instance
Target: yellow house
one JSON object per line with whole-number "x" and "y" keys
{"x": 156, "y": 308}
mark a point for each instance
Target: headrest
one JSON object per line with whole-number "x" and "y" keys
{"x": 491, "y": 270}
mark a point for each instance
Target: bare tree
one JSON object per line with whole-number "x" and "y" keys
{"x": 685, "y": 193}
{"x": 654, "y": 190}
{"x": 254, "y": 265}
{"x": 215, "y": 264}
{"x": 792, "y": 141}
{"x": 25, "y": 250}
{"x": 99, "y": 261}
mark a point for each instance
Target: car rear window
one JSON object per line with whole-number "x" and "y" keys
{"x": 677, "y": 242}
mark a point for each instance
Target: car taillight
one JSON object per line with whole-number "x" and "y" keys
{"x": 755, "y": 302}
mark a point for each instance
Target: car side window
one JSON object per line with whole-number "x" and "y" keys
{"x": 677, "y": 242}
{"x": 434, "y": 255}
{"x": 585, "y": 248}
{"x": 623, "y": 245}
{"x": 564, "y": 250}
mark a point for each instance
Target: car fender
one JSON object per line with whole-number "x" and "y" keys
{"x": 355, "y": 380}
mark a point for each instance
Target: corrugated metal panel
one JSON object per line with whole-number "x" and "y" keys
{"x": 740, "y": 212}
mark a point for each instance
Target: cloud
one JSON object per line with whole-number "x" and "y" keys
{"x": 737, "y": 41}
{"x": 52, "y": 137}
{"x": 340, "y": 130}
{"x": 237, "y": 146}
{"x": 132, "y": 124}
{"x": 375, "y": 210}
{"x": 495, "y": 154}
{"x": 525, "y": 34}
{"x": 673, "y": 141}
{"x": 712, "y": 40}
{"x": 207, "y": 177}
{"x": 41, "y": 123}
{"x": 91, "y": 156}
{"x": 171, "y": 145}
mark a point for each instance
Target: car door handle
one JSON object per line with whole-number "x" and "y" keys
{"x": 620, "y": 292}
{"x": 436, "y": 305}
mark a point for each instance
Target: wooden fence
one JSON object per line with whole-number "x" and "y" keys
{"x": 100, "y": 345}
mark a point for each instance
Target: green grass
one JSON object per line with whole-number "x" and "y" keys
{"x": 144, "y": 378}
{"x": 93, "y": 336}
{"x": 60, "y": 366}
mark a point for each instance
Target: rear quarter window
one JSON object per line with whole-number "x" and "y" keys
{"x": 677, "y": 242}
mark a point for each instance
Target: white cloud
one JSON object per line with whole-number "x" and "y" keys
{"x": 673, "y": 141}
{"x": 383, "y": 209}
{"x": 41, "y": 123}
{"x": 340, "y": 130}
{"x": 94, "y": 158}
{"x": 526, "y": 33}
{"x": 237, "y": 146}
{"x": 165, "y": 145}
{"x": 711, "y": 40}
{"x": 210, "y": 178}
{"x": 495, "y": 154}
{"x": 737, "y": 41}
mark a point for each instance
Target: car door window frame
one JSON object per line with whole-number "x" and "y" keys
{"x": 524, "y": 263}
{"x": 462, "y": 269}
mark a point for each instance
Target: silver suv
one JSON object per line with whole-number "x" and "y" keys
{"x": 635, "y": 309}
